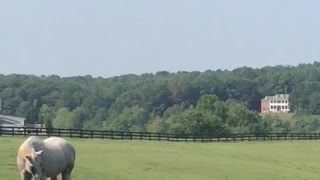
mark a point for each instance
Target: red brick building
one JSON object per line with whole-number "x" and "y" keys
{"x": 275, "y": 104}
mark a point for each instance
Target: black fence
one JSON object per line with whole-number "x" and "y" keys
{"x": 119, "y": 135}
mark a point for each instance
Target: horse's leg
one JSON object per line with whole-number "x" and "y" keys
{"x": 66, "y": 174}
{"x": 54, "y": 178}
{"x": 25, "y": 176}
{"x": 22, "y": 176}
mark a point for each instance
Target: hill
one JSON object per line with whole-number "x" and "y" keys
{"x": 161, "y": 102}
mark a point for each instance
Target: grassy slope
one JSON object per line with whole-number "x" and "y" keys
{"x": 135, "y": 160}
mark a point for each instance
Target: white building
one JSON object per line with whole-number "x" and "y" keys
{"x": 11, "y": 121}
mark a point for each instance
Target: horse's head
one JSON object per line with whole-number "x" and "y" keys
{"x": 34, "y": 164}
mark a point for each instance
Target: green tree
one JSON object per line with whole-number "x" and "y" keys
{"x": 63, "y": 119}
{"x": 46, "y": 115}
{"x": 130, "y": 119}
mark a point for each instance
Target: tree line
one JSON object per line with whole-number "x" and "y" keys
{"x": 220, "y": 101}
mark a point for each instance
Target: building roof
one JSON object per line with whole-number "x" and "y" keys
{"x": 12, "y": 119}
{"x": 277, "y": 97}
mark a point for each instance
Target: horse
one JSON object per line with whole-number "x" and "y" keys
{"x": 46, "y": 158}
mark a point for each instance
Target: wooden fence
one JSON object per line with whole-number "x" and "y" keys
{"x": 119, "y": 135}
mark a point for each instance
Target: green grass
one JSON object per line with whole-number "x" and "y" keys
{"x": 281, "y": 116}
{"x": 144, "y": 160}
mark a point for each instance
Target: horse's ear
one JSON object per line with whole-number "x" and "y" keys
{"x": 29, "y": 157}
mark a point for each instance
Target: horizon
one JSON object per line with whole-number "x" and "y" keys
{"x": 153, "y": 73}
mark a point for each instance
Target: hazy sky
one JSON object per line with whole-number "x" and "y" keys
{"x": 107, "y": 38}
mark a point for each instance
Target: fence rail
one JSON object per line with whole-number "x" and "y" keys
{"x": 119, "y": 135}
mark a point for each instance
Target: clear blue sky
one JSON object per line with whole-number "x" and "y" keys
{"x": 107, "y": 38}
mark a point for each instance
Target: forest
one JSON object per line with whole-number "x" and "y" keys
{"x": 220, "y": 101}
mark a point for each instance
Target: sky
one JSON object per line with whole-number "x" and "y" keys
{"x": 110, "y": 38}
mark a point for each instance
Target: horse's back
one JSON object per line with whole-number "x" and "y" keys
{"x": 60, "y": 145}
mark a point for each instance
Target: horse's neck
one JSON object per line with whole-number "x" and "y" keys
{"x": 38, "y": 145}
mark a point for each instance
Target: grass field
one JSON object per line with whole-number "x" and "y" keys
{"x": 135, "y": 160}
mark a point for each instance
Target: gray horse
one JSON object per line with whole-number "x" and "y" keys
{"x": 45, "y": 158}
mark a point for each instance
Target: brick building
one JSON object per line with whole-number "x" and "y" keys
{"x": 275, "y": 104}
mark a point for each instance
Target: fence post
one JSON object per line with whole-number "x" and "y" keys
{"x": 12, "y": 131}
{"x": 48, "y": 132}
{"x": 149, "y": 136}
{"x": 140, "y": 136}
{"x": 91, "y": 134}
{"x": 131, "y": 135}
{"x": 59, "y": 132}
{"x": 0, "y": 130}
{"x": 111, "y": 134}
{"x": 70, "y": 131}
{"x": 24, "y": 131}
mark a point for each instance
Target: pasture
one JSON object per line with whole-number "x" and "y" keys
{"x": 144, "y": 160}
